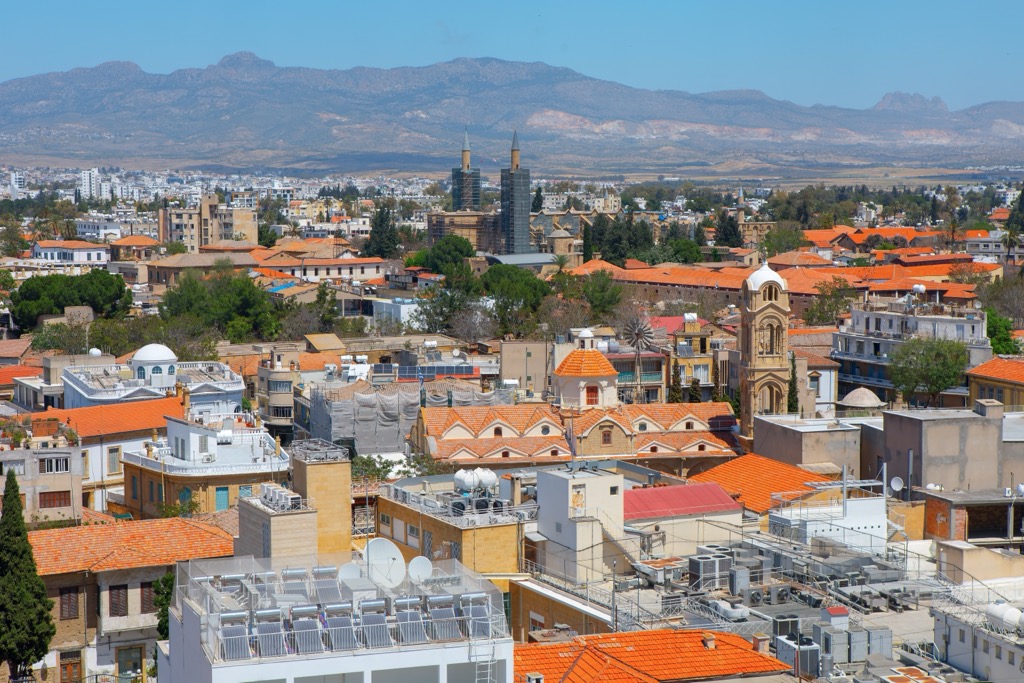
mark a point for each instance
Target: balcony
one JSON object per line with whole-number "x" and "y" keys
{"x": 645, "y": 378}
{"x": 865, "y": 380}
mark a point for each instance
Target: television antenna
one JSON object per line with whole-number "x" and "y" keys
{"x": 384, "y": 562}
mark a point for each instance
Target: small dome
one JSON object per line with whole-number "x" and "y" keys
{"x": 762, "y": 276}
{"x": 861, "y": 397}
{"x": 585, "y": 333}
{"x": 559, "y": 233}
{"x": 154, "y": 353}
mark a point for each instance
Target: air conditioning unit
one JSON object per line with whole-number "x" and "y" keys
{"x": 752, "y": 597}
{"x": 778, "y": 595}
{"x": 208, "y": 457}
{"x": 293, "y": 501}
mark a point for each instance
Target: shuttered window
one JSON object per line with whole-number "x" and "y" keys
{"x": 118, "y": 600}
{"x": 68, "y": 603}
{"x": 148, "y": 606}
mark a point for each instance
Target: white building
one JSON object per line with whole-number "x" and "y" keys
{"x": 153, "y": 371}
{"x": 17, "y": 187}
{"x": 298, "y": 621}
{"x": 89, "y": 183}
{"x": 394, "y": 311}
{"x": 70, "y": 251}
{"x": 859, "y": 521}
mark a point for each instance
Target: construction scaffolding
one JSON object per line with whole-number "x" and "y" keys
{"x": 377, "y": 418}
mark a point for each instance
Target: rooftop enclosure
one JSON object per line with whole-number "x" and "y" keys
{"x": 254, "y": 611}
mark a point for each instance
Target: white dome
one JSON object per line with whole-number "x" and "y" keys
{"x": 762, "y": 276}
{"x": 585, "y": 333}
{"x": 154, "y": 353}
{"x": 861, "y": 397}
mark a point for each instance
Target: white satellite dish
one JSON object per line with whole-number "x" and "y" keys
{"x": 350, "y": 571}
{"x": 896, "y": 484}
{"x": 455, "y": 353}
{"x": 420, "y": 569}
{"x": 384, "y": 562}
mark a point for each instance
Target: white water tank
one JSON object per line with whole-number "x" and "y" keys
{"x": 486, "y": 478}
{"x": 995, "y": 612}
{"x": 1011, "y": 618}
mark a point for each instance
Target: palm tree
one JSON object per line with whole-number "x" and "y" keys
{"x": 561, "y": 261}
{"x": 1011, "y": 239}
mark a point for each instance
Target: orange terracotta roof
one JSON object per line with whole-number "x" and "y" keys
{"x": 281, "y": 260}
{"x": 648, "y": 656}
{"x": 245, "y": 365}
{"x": 754, "y": 478}
{"x": 69, "y": 244}
{"x": 595, "y": 265}
{"x": 633, "y": 264}
{"x": 684, "y": 443}
{"x": 311, "y": 362}
{"x": 973, "y": 234}
{"x": 9, "y": 372}
{"x": 806, "y": 281}
{"x": 1002, "y": 369}
{"x": 661, "y": 416}
{"x": 813, "y": 359}
{"x": 1000, "y": 214}
{"x": 687, "y": 276}
{"x": 126, "y": 545}
{"x": 439, "y": 420}
{"x": 135, "y": 241}
{"x": 943, "y": 269}
{"x": 798, "y": 258}
{"x": 118, "y": 418}
{"x": 274, "y": 274}
{"x": 15, "y": 348}
{"x": 585, "y": 363}
{"x": 518, "y": 448}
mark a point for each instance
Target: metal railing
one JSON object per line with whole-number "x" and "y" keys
{"x": 470, "y": 516}
{"x": 167, "y": 463}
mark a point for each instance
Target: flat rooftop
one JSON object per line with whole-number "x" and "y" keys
{"x": 976, "y": 496}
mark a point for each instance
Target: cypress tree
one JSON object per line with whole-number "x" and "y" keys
{"x": 792, "y": 399}
{"x": 588, "y": 244}
{"x": 675, "y": 387}
{"x": 695, "y": 395}
{"x": 26, "y": 622}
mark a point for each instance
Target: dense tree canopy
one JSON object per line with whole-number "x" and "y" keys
{"x": 50, "y": 294}
{"x": 833, "y": 298}
{"x": 383, "y": 239}
{"x": 229, "y": 302}
{"x": 927, "y": 366}
{"x": 517, "y": 294}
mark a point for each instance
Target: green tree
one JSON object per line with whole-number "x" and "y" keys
{"x": 727, "y": 232}
{"x": 686, "y": 251}
{"x": 438, "y": 307}
{"x": 792, "y": 398}
{"x": 383, "y": 239}
{"x": 163, "y": 596}
{"x": 265, "y": 236}
{"x": 675, "y": 386}
{"x": 51, "y": 294}
{"x": 588, "y": 243}
{"x": 326, "y": 305}
{"x": 716, "y": 382}
{"x": 602, "y": 293}
{"x": 1000, "y": 331}
{"x": 7, "y": 282}
{"x": 927, "y": 366}
{"x": 695, "y": 393}
{"x": 225, "y": 298}
{"x": 538, "y": 200}
{"x": 833, "y": 298}
{"x": 1011, "y": 238}
{"x": 517, "y": 294}
{"x": 11, "y": 241}
{"x": 26, "y": 623}
{"x": 176, "y": 248}
{"x": 449, "y": 251}
{"x": 785, "y": 236}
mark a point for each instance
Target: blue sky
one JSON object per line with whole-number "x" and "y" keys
{"x": 809, "y": 52}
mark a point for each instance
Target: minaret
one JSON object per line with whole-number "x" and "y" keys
{"x": 465, "y": 182}
{"x": 515, "y": 151}
{"x": 465, "y": 152}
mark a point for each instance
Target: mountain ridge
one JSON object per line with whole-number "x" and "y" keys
{"x": 245, "y": 111}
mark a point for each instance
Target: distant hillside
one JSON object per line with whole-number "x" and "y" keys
{"x": 245, "y": 112}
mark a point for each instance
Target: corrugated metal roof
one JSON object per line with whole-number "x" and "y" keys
{"x": 675, "y": 501}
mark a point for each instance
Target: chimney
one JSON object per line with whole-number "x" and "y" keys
{"x": 186, "y": 401}
{"x": 517, "y": 490}
{"x": 708, "y": 639}
{"x": 156, "y": 435}
{"x": 759, "y": 641}
{"x": 277, "y": 445}
{"x": 178, "y": 388}
{"x": 534, "y": 678}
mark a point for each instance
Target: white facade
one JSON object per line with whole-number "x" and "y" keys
{"x": 89, "y": 183}
{"x": 17, "y": 187}
{"x": 860, "y": 522}
{"x": 397, "y": 310}
{"x": 70, "y": 251}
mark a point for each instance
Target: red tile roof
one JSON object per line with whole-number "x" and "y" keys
{"x": 595, "y": 265}
{"x": 119, "y": 418}
{"x": 135, "y": 241}
{"x": 1001, "y": 369}
{"x": 675, "y": 501}
{"x": 9, "y": 372}
{"x": 585, "y": 363}
{"x": 126, "y": 545}
{"x": 69, "y": 244}
{"x": 647, "y": 656}
{"x": 754, "y": 478}
{"x": 798, "y": 258}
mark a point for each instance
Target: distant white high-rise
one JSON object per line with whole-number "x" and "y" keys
{"x": 17, "y": 184}
{"x": 89, "y": 184}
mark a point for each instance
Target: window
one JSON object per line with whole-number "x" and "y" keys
{"x": 55, "y": 499}
{"x": 170, "y": 369}
{"x": 114, "y": 460}
{"x": 554, "y": 452}
{"x": 643, "y": 426}
{"x": 85, "y": 464}
{"x": 497, "y": 432}
{"x": 54, "y": 465}
{"x": 689, "y": 426}
{"x": 141, "y": 373}
{"x": 961, "y": 635}
{"x": 1010, "y": 657}
{"x": 160, "y": 493}
{"x": 591, "y": 396}
{"x": 277, "y": 386}
{"x": 702, "y": 447}
{"x": 385, "y": 519}
{"x": 984, "y": 646}
{"x": 18, "y": 466}
{"x": 280, "y": 411}
{"x": 545, "y": 430}
{"x": 606, "y": 438}
{"x": 245, "y": 491}
{"x": 506, "y": 454}
{"x": 613, "y": 490}
{"x": 69, "y": 603}
{"x": 999, "y": 652}
{"x": 157, "y": 370}
{"x": 414, "y": 531}
{"x": 654, "y": 449}
{"x": 117, "y": 598}
{"x": 148, "y": 603}
{"x": 815, "y": 383}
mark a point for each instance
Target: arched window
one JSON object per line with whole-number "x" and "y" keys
{"x": 591, "y": 395}
{"x": 497, "y": 432}
{"x": 170, "y": 369}
{"x": 141, "y": 373}
{"x": 157, "y": 370}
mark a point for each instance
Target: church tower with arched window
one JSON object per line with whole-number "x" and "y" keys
{"x": 764, "y": 349}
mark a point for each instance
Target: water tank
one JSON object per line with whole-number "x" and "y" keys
{"x": 95, "y": 353}
{"x": 1011, "y": 618}
{"x": 465, "y": 480}
{"x": 362, "y": 359}
{"x": 690, "y": 317}
{"x": 995, "y": 612}
{"x": 919, "y": 289}
{"x": 486, "y": 478}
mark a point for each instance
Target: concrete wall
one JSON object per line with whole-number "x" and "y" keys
{"x": 526, "y": 362}
{"x": 680, "y": 536}
{"x": 327, "y": 484}
{"x": 795, "y": 446}
{"x": 961, "y": 562}
{"x": 524, "y": 601}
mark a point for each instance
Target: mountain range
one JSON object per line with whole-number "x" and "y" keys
{"x": 246, "y": 113}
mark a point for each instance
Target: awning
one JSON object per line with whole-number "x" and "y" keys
{"x": 535, "y": 537}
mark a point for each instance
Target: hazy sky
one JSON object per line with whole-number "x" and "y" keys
{"x": 810, "y": 52}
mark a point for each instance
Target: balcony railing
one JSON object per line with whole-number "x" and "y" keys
{"x": 497, "y": 512}
{"x": 645, "y": 377}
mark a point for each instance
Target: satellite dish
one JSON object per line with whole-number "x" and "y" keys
{"x": 455, "y": 353}
{"x": 420, "y": 569}
{"x": 384, "y": 562}
{"x": 896, "y": 484}
{"x": 350, "y": 571}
